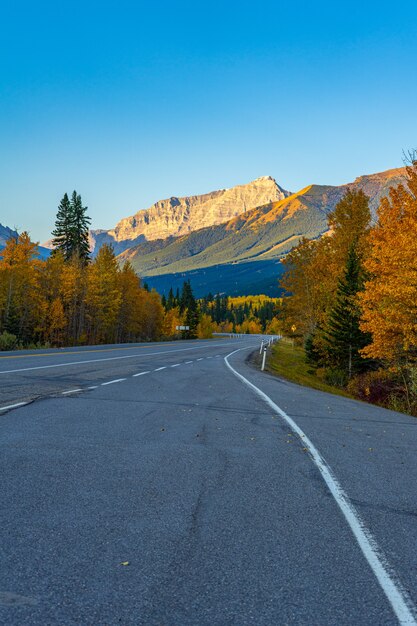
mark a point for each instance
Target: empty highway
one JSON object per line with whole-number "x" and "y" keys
{"x": 176, "y": 484}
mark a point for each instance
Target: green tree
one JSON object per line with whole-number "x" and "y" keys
{"x": 80, "y": 224}
{"x": 343, "y": 337}
{"x": 71, "y": 232}
{"x": 189, "y": 305}
{"x": 63, "y": 228}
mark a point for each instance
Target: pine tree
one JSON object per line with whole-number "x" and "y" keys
{"x": 343, "y": 336}
{"x": 62, "y": 231}
{"x": 71, "y": 232}
{"x": 171, "y": 300}
{"x": 189, "y": 305}
{"x": 80, "y": 223}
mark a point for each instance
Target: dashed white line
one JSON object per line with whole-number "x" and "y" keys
{"x": 93, "y": 387}
{"x": 186, "y": 362}
{"x": 13, "y": 406}
{"x": 176, "y": 365}
{"x": 117, "y": 380}
{"x": 113, "y": 358}
{"x": 141, "y": 373}
{"x": 158, "y": 369}
{"x": 397, "y": 597}
{"x": 64, "y": 393}
{"x": 202, "y": 359}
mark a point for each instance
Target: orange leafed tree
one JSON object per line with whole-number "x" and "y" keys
{"x": 389, "y": 302}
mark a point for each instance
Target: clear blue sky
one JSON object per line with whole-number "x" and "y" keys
{"x": 130, "y": 102}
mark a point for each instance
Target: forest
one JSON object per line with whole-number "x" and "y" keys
{"x": 73, "y": 299}
{"x": 352, "y": 297}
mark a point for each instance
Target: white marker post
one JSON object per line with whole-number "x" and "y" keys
{"x": 263, "y": 359}
{"x": 262, "y": 345}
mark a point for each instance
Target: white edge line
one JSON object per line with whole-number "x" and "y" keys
{"x": 396, "y": 595}
{"x": 140, "y": 374}
{"x": 64, "y": 393}
{"x": 13, "y": 406}
{"x": 110, "y": 382}
{"x": 93, "y": 387}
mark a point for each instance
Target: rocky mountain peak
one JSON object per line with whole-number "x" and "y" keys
{"x": 176, "y": 216}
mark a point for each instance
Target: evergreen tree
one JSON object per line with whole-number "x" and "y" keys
{"x": 343, "y": 336}
{"x": 171, "y": 300}
{"x": 189, "y": 305}
{"x": 80, "y": 223}
{"x": 62, "y": 231}
{"x": 70, "y": 235}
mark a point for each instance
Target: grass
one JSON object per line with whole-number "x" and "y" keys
{"x": 288, "y": 361}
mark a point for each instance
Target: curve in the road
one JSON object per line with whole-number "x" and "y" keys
{"x": 396, "y": 595}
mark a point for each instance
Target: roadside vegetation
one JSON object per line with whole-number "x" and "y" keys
{"x": 351, "y": 305}
{"x": 288, "y": 360}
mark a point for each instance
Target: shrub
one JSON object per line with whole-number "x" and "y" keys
{"x": 378, "y": 387}
{"x": 334, "y": 376}
{"x": 7, "y": 341}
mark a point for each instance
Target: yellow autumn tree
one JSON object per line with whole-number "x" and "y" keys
{"x": 205, "y": 327}
{"x": 172, "y": 319}
{"x": 73, "y": 289}
{"x": 389, "y": 302}
{"x": 313, "y": 268}
{"x": 103, "y": 298}
{"x": 21, "y": 298}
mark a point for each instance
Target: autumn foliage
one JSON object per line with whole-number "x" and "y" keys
{"x": 352, "y": 296}
{"x": 68, "y": 302}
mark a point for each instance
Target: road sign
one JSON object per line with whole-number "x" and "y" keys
{"x": 182, "y": 328}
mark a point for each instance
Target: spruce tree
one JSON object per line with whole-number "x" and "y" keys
{"x": 80, "y": 223}
{"x": 171, "y": 300}
{"x": 62, "y": 231}
{"x": 343, "y": 336}
{"x": 189, "y": 304}
{"x": 70, "y": 235}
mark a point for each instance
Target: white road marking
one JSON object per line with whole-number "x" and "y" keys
{"x": 64, "y": 393}
{"x": 396, "y": 595}
{"x": 112, "y": 358}
{"x": 141, "y": 373}
{"x": 93, "y": 387}
{"x": 158, "y": 369}
{"x": 13, "y": 406}
{"x": 186, "y": 362}
{"x": 202, "y": 359}
{"x": 176, "y": 365}
{"x": 117, "y": 380}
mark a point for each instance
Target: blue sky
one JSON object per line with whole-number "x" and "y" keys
{"x": 130, "y": 102}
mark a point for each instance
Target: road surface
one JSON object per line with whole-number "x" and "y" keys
{"x": 168, "y": 484}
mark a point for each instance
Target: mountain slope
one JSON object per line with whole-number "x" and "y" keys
{"x": 6, "y": 233}
{"x": 181, "y": 216}
{"x": 265, "y": 233}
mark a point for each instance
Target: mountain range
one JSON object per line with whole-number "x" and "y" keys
{"x": 242, "y": 255}
{"x": 230, "y": 240}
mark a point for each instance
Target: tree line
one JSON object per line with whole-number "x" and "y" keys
{"x": 70, "y": 299}
{"x": 352, "y": 297}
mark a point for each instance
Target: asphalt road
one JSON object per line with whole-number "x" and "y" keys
{"x": 153, "y": 485}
